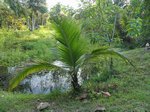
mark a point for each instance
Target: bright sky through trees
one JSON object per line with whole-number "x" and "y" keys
{"x": 71, "y": 3}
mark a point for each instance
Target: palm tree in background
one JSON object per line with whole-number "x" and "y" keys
{"x": 73, "y": 51}
{"x": 32, "y": 10}
{"x": 36, "y": 7}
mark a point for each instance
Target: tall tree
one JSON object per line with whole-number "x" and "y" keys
{"x": 4, "y": 12}
{"x": 98, "y": 20}
{"x": 32, "y": 10}
{"x": 36, "y": 7}
{"x": 16, "y": 6}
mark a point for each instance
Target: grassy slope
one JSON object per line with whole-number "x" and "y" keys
{"x": 132, "y": 92}
{"x": 18, "y": 46}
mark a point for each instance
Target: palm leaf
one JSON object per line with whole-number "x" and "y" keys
{"x": 95, "y": 54}
{"x": 28, "y": 71}
{"x": 68, "y": 33}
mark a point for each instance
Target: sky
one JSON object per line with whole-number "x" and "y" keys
{"x": 71, "y": 3}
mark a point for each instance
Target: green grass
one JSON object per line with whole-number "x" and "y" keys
{"x": 19, "y": 46}
{"x": 131, "y": 94}
{"x": 16, "y": 102}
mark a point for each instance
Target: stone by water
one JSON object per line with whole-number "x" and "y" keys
{"x": 45, "y": 83}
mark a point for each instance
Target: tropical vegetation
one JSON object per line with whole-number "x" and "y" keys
{"x": 101, "y": 49}
{"x": 72, "y": 54}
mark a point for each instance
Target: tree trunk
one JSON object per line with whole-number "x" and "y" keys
{"x": 42, "y": 20}
{"x": 111, "y": 66}
{"x": 33, "y": 23}
{"x": 28, "y": 23}
{"x": 0, "y": 23}
{"x": 75, "y": 83}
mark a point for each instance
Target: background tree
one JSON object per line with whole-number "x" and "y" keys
{"x": 60, "y": 10}
{"x": 33, "y": 10}
{"x": 16, "y": 6}
{"x": 98, "y": 19}
{"x": 36, "y": 7}
{"x": 4, "y": 13}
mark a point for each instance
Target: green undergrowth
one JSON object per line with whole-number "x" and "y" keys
{"x": 19, "y": 46}
{"x": 129, "y": 88}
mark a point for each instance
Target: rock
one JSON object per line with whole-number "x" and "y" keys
{"x": 147, "y": 46}
{"x": 43, "y": 105}
{"x": 106, "y": 94}
{"x": 100, "y": 108}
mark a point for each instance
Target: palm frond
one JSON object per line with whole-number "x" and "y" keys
{"x": 95, "y": 54}
{"x": 28, "y": 71}
{"x": 68, "y": 33}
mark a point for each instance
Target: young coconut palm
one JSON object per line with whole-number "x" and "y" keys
{"x": 72, "y": 52}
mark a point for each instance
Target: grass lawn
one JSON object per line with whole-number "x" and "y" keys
{"x": 132, "y": 92}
